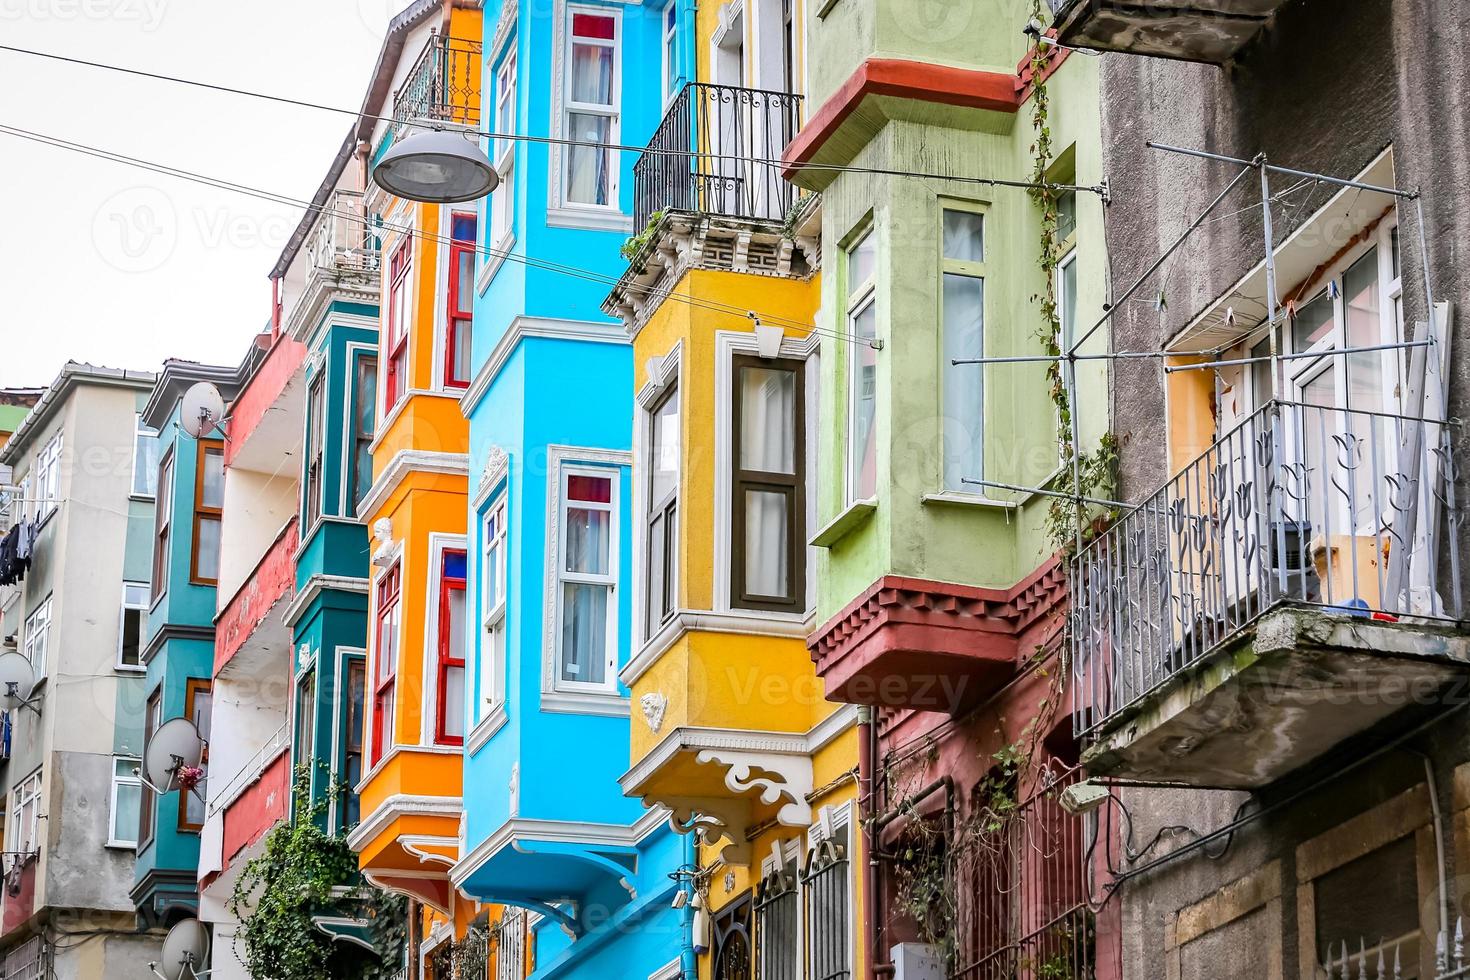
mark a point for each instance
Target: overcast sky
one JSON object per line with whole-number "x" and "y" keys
{"x": 105, "y": 263}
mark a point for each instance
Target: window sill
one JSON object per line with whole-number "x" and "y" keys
{"x": 494, "y": 262}
{"x": 589, "y": 219}
{"x": 117, "y": 845}
{"x": 131, "y": 669}
{"x": 486, "y": 729}
{"x": 845, "y": 523}
{"x": 961, "y": 499}
{"x": 605, "y": 705}
{"x": 143, "y": 498}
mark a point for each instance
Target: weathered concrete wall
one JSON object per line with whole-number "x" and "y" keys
{"x": 1326, "y": 88}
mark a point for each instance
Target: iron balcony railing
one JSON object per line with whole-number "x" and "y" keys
{"x": 1341, "y": 509}
{"x": 442, "y": 87}
{"x": 345, "y": 241}
{"x": 717, "y": 152}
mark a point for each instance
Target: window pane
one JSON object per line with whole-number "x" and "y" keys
{"x": 465, "y": 288}
{"x": 665, "y": 449}
{"x": 1313, "y": 322}
{"x": 584, "y": 633}
{"x": 135, "y": 594}
{"x": 767, "y": 546}
{"x": 1067, "y": 310}
{"x": 462, "y": 227}
{"x": 768, "y": 420}
{"x": 145, "y": 463}
{"x": 1366, "y": 376}
{"x": 208, "y": 545}
{"x": 212, "y": 492}
{"x": 588, "y": 172}
{"x": 592, "y": 74}
{"x": 594, "y": 26}
{"x": 964, "y": 236}
{"x": 860, "y": 261}
{"x": 592, "y": 489}
{"x": 454, "y": 702}
{"x": 1066, "y": 215}
{"x": 456, "y": 623}
{"x": 132, "y": 638}
{"x": 964, "y": 397}
{"x": 863, "y": 380}
{"x": 129, "y": 807}
{"x": 587, "y": 540}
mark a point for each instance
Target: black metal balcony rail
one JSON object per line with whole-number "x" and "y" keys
{"x": 1022, "y": 895}
{"x": 442, "y": 87}
{"x": 1350, "y": 511}
{"x": 714, "y": 153}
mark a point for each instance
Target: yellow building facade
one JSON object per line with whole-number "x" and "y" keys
{"x": 731, "y": 731}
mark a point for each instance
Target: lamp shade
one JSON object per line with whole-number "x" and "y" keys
{"x": 436, "y": 167}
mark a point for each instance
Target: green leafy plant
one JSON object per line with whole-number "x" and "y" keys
{"x": 304, "y": 871}
{"x": 630, "y": 249}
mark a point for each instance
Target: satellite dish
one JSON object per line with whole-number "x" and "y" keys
{"x": 185, "y": 949}
{"x": 201, "y": 409}
{"x": 174, "y": 745}
{"x": 17, "y": 679}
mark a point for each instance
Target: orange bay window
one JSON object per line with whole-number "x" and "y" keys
{"x": 459, "y": 319}
{"x": 386, "y": 671}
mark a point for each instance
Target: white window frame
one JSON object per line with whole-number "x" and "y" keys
{"x": 556, "y": 695}
{"x": 433, "y": 589}
{"x": 613, "y": 475}
{"x": 860, "y": 298}
{"x": 26, "y": 792}
{"x": 965, "y": 269}
{"x": 1065, "y": 337}
{"x": 141, "y": 432}
{"x": 47, "y": 477}
{"x": 490, "y": 666}
{"x": 141, "y": 607}
{"x": 506, "y": 77}
{"x": 566, "y": 106}
{"x": 39, "y": 619}
{"x": 669, "y": 46}
{"x": 120, "y": 779}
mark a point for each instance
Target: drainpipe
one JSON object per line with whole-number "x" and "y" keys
{"x": 414, "y": 922}
{"x": 688, "y": 964}
{"x": 867, "y": 753}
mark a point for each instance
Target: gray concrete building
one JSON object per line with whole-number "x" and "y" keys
{"x": 79, "y": 492}
{"x": 1270, "y": 663}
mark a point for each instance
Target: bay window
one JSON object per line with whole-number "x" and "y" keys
{"x": 145, "y": 459}
{"x": 209, "y": 506}
{"x": 768, "y": 533}
{"x": 364, "y": 427}
{"x": 459, "y": 317}
{"x": 587, "y": 574}
{"x": 163, "y": 512}
{"x": 962, "y": 323}
{"x": 126, "y": 803}
{"x": 399, "y": 316}
{"x": 663, "y": 511}
{"x": 131, "y": 625}
{"x": 199, "y": 710}
{"x": 492, "y": 596}
{"x": 386, "y": 661}
{"x": 590, "y": 114}
{"x": 449, "y": 676}
{"x": 316, "y": 437}
{"x": 862, "y": 372}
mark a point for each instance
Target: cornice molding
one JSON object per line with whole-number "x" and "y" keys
{"x": 402, "y": 805}
{"x": 316, "y": 585}
{"x": 404, "y": 463}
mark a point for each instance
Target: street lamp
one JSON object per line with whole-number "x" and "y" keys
{"x": 436, "y": 167}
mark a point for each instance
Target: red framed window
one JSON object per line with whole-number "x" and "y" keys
{"x": 399, "y": 268}
{"x": 386, "y": 670}
{"x": 460, "y": 319}
{"x": 449, "y": 713}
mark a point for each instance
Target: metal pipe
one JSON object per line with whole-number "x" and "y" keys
{"x": 867, "y": 744}
{"x": 1310, "y": 355}
{"x": 1433, "y": 784}
{"x": 1052, "y": 358}
{"x": 1324, "y": 178}
{"x": 1159, "y": 261}
{"x": 995, "y": 485}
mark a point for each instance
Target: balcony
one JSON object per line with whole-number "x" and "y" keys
{"x": 442, "y": 88}
{"x": 341, "y": 253}
{"x": 1292, "y": 587}
{"x": 708, "y": 155}
{"x": 1211, "y": 31}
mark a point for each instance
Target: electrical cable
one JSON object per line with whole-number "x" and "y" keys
{"x": 1099, "y": 189}
{"x": 543, "y": 264}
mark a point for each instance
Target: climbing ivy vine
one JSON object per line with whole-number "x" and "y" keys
{"x": 302, "y": 872}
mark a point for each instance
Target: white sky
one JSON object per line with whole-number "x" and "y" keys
{"x": 106, "y": 263}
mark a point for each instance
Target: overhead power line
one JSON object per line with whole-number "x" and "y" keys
{"x": 543, "y": 264}
{"x": 1099, "y": 189}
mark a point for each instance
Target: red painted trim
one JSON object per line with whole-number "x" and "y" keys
{"x": 905, "y": 80}
{"x": 448, "y": 584}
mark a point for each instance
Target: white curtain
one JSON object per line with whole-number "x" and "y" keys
{"x": 591, "y": 84}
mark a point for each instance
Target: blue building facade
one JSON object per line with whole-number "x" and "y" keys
{"x": 550, "y": 408}
{"x": 178, "y": 646}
